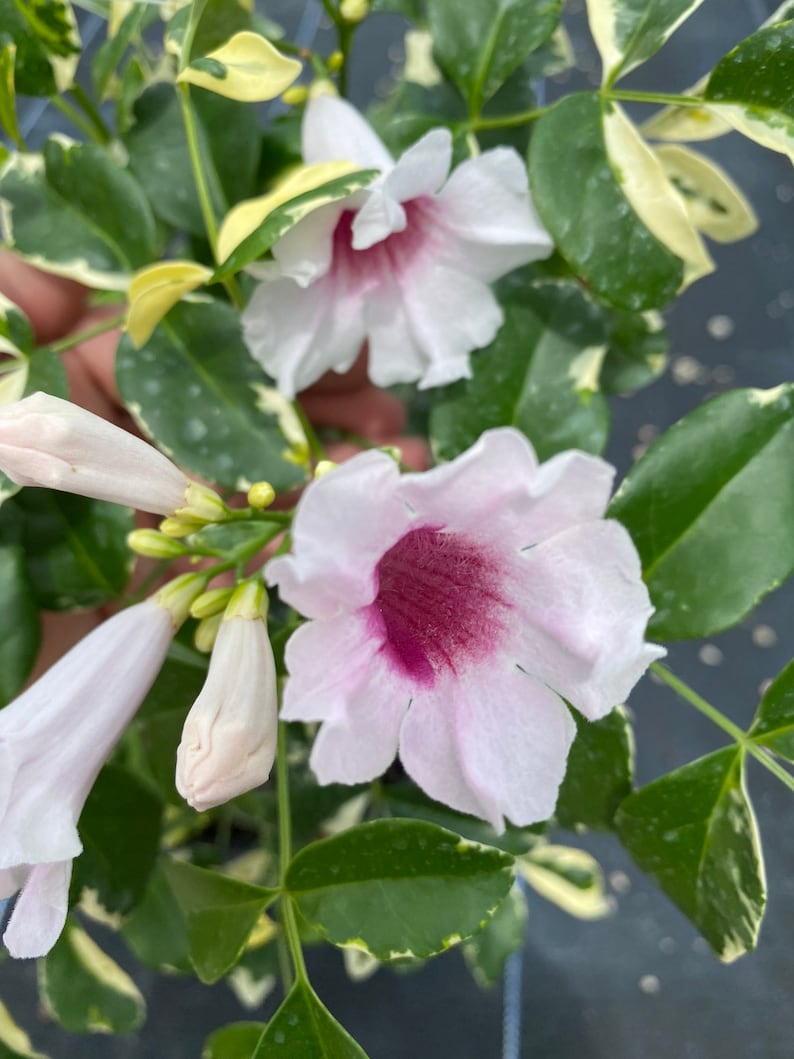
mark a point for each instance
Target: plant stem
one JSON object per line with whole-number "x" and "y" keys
{"x": 76, "y": 339}
{"x": 733, "y": 730}
{"x": 505, "y": 121}
{"x": 288, "y": 922}
{"x": 197, "y": 165}
{"x": 92, "y": 112}
{"x": 315, "y": 445}
{"x": 654, "y": 97}
{"x": 74, "y": 116}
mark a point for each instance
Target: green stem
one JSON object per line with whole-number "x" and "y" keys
{"x": 76, "y": 339}
{"x": 91, "y": 111}
{"x": 654, "y": 97}
{"x": 288, "y": 921}
{"x": 315, "y": 445}
{"x": 196, "y": 11}
{"x": 505, "y": 121}
{"x": 74, "y": 116}
{"x": 197, "y": 165}
{"x": 733, "y": 730}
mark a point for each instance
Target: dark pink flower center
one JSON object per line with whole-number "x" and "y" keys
{"x": 394, "y": 255}
{"x": 439, "y": 603}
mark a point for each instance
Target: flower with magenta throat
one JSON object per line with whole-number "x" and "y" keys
{"x": 403, "y": 265}
{"x": 455, "y": 612}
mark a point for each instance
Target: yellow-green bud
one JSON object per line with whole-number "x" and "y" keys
{"x": 212, "y": 602}
{"x": 155, "y": 545}
{"x": 249, "y": 601}
{"x": 335, "y": 60}
{"x": 354, "y": 10}
{"x": 322, "y": 87}
{"x": 392, "y": 450}
{"x": 206, "y": 632}
{"x": 323, "y": 467}
{"x": 261, "y": 495}
{"x": 295, "y": 96}
{"x": 178, "y": 595}
{"x": 202, "y": 504}
{"x": 180, "y": 527}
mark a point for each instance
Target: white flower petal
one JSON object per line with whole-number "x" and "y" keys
{"x": 304, "y": 253}
{"x": 379, "y": 217}
{"x": 334, "y": 130}
{"x": 40, "y": 912}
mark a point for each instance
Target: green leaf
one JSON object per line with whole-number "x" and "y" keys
{"x": 710, "y": 507}
{"x": 14, "y": 1042}
{"x": 76, "y": 548}
{"x": 570, "y": 878}
{"x": 229, "y": 140}
{"x": 219, "y": 913}
{"x": 196, "y": 360}
{"x": 488, "y": 951}
{"x": 535, "y": 376}
{"x": 754, "y": 87}
{"x": 238, "y": 1040}
{"x": 108, "y": 58}
{"x": 694, "y": 831}
{"x": 155, "y": 930}
{"x": 76, "y": 212}
{"x": 20, "y": 633}
{"x": 637, "y": 351}
{"x": 581, "y": 195}
{"x": 8, "y": 112}
{"x": 120, "y": 829}
{"x": 398, "y": 887}
{"x": 47, "y": 43}
{"x": 85, "y": 990}
{"x": 628, "y": 32}
{"x": 304, "y": 1029}
{"x": 773, "y": 725}
{"x": 599, "y": 774}
{"x": 479, "y": 43}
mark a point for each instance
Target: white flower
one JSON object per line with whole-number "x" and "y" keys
{"x": 54, "y": 739}
{"x": 404, "y": 265}
{"x": 45, "y": 441}
{"x": 229, "y": 740}
{"x": 455, "y": 612}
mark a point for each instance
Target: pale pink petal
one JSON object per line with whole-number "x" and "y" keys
{"x": 394, "y": 354}
{"x": 379, "y": 217}
{"x": 345, "y": 521}
{"x": 40, "y": 911}
{"x": 506, "y": 234}
{"x": 584, "y": 612}
{"x": 11, "y": 881}
{"x": 360, "y": 745}
{"x": 333, "y": 130}
{"x": 513, "y": 736}
{"x": 304, "y": 253}
{"x": 326, "y": 660}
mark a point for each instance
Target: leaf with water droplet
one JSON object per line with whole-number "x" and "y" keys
{"x": 303, "y": 1028}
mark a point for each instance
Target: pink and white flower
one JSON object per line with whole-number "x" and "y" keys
{"x": 404, "y": 265}
{"x": 453, "y": 613}
{"x": 54, "y": 739}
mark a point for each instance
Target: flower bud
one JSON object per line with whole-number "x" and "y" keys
{"x": 354, "y": 10}
{"x": 323, "y": 467}
{"x": 206, "y": 633}
{"x": 296, "y": 95}
{"x": 210, "y": 603}
{"x": 261, "y": 495}
{"x": 180, "y": 527}
{"x": 155, "y": 545}
{"x": 178, "y": 595}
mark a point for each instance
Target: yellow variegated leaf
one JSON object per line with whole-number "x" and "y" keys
{"x": 687, "y": 123}
{"x": 247, "y": 216}
{"x": 247, "y": 67}
{"x": 13, "y": 382}
{"x": 654, "y": 199}
{"x": 420, "y": 67}
{"x": 627, "y": 33}
{"x": 570, "y": 878}
{"x": 715, "y": 204}
{"x": 773, "y": 132}
{"x": 14, "y": 1039}
{"x": 156, "y": 289}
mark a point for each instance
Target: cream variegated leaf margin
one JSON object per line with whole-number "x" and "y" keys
{"x": 247, "y": 216}
{"x": 716, "y": 206}
{"x": 627, "y": 32}
{"x": 14, "y": 1039}
{"x": 774, "y": 130}
{"x": 156, "y": 289}
{"x": 247, "y": 68}
{"x": 568, "y": 877}
{"x": 651, "y": 195}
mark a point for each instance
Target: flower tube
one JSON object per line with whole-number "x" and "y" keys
{"x": 456, "y": 611}
{"x": 403, "y": 265}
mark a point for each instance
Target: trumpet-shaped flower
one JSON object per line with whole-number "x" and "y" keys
{"x": 229, "y": 739}
{"x": 54, "y": 739}
{"x": 455, "y": 612}
{"x": 404, "y": 264}
{"x": 45, "y": 441}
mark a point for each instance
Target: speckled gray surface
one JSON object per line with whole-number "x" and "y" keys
{"x": 641, "y": 984}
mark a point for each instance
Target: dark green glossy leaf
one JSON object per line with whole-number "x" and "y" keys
{"x": 579, "y": 194}
{"x": 238, "y": 1040}
{"x": 489, "y": 950}
{"x": 599, "y": 774}
{"x": 627, "y": 32}
{"x": 479, "y": 43}
{"x": 219, "y": 913}
{"x": 155, "y": 930}
{"x": 398, "y": 887}
{"x": 20, "y": 633}
{"x": 196, "y": 362}
{"x": 637, "y": 351}
{"x": 229, "y": 140}
{"x": 85, "y": 990}
{"x": 287, "y": 216}
{"x": 303, "y": 1028}
{"x": 528, "y": 378}
{"x": 75, "y": 210}
{"x": 47, "y": 44}
{"x": 120, "y": 830}
{"x": 76, "y": 548}
{"x": 710, "y": 507}
{"x": 694, "y": 831}
{"x": 754, "y": 87}
{"x": 773, "y": 725}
